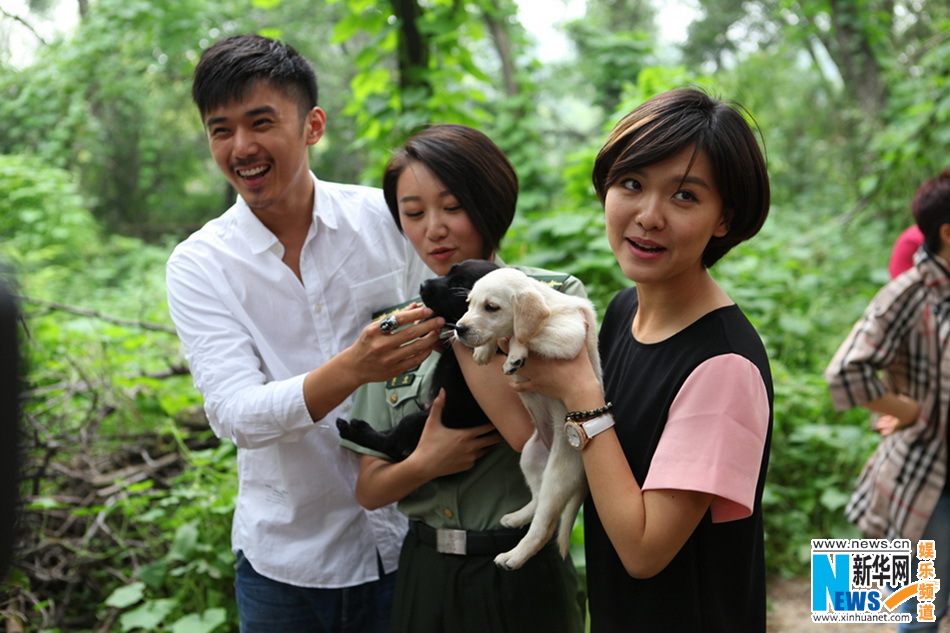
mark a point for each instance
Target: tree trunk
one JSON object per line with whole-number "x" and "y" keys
{"x": 413, "y": 46}
{"x": 495, "y": 19}
{"x": 855, "y": 58}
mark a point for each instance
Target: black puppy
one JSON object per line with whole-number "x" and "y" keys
{"x": 447, "y": 297}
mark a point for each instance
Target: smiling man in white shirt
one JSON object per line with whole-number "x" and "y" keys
{"x": 270, "y": 301}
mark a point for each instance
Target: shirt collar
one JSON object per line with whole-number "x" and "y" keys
{"x": 260, "y": 238}
{"x": 325, "y": 209}
{"x": 935, "y": 273}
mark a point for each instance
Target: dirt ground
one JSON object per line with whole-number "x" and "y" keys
{"x": 790, "y": 612}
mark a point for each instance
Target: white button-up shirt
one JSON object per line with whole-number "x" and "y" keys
{"x": 251, "y": 331}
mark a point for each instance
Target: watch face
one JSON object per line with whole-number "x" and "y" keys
{"x": 573, "y": 435}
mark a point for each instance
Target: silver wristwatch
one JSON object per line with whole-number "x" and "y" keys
{"x": 579, "y": 434}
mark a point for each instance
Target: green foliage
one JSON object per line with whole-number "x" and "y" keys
{"x": 614, "y": 58}
{"x": 109, "y": 391}
{"x": 912, "y": 146}
{"x": 867, "y": 89}
{"x": 106, "y": 385}
{"x": 464, "y": 63}
{"x": 107, "y": 103}
{"x": 42, "y": 215}
{"x": 188, "y": 588}
{"x": 439, "y": 80}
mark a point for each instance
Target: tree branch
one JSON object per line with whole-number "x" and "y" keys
{"x": 52, "y": 305}
{"x": 28, "y": 26}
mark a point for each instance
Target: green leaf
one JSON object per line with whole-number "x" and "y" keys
{"x": 153, "y": 574}
{"x": 834, "y": 499}
{"x": 45, "y": 503}
{"x": 204, "y": 623}
{"x": 346, "y": 29}
{"x": 184, "y": 543}
{"x": 273, "y": 33}
{"x": 148, "y": 617}
{"x": 126, "y": 596}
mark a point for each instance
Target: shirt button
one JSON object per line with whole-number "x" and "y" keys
{"x": 318, "y": 308}
{"x": 393, "y": 398}
{"x": 447, "y": 513}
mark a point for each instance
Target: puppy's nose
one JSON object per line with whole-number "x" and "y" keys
{"x": 461, "y": 330}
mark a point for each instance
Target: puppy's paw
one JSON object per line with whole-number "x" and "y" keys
{"x": 518, "y": 518}
{"x": 354, "y": 430}
{"x": 483, "y": 354}
{"x": 343, "y": 426}
{"x": 513, "y": 364}
{"x": 509, "y": 560}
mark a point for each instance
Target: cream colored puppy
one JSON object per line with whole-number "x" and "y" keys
{"x": 538, "y": 319}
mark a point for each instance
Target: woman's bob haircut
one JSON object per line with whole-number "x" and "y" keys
{"x": 679, "y": 119}
{"x": 472, "y": 167}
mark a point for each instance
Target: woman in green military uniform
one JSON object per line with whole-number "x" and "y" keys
{"x": 453, "y": 193}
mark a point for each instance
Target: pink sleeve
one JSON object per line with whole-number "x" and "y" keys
{"x": 715, "y": 435}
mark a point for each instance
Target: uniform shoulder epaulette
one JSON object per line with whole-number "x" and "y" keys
{"x": 395, "y": 308}
{"x": 554, "y": 280}
{"x": 402, "y": 380}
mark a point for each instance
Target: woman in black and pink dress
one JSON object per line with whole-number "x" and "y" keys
{"x": 676, "y": 444}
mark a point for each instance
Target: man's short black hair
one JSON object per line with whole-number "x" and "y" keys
{"x": 931, "y": 208}
{"x": 230, "y": 67}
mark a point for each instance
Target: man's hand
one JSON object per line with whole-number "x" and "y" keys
{"x": 374, "y": 357}
{"x": 377, "y": 355}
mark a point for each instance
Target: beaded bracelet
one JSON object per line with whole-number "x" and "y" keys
{"x": 580, "y": 416}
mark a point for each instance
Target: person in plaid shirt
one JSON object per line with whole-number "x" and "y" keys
{"x": 896, "y": 363}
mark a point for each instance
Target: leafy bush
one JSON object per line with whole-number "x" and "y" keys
{"x": 42, "y": 216}
{"x": 187, "y": 587}
{"x": 127, "y": 495}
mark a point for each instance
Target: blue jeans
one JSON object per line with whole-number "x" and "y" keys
{"x": 937, "y": 530}
{"x": 266, "y": 605}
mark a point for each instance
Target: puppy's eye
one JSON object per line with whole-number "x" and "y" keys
{"x": 491, "y": 307}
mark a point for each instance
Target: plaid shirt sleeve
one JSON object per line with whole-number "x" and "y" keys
{"x": 877, "y": 343}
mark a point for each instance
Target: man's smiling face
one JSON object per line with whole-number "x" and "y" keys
{"x": 261, "y": 143}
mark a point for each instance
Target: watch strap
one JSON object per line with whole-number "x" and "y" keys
{"x": 597, "y": 425}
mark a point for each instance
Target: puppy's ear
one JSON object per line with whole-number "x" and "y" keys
{"x": 529, "y": 314}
